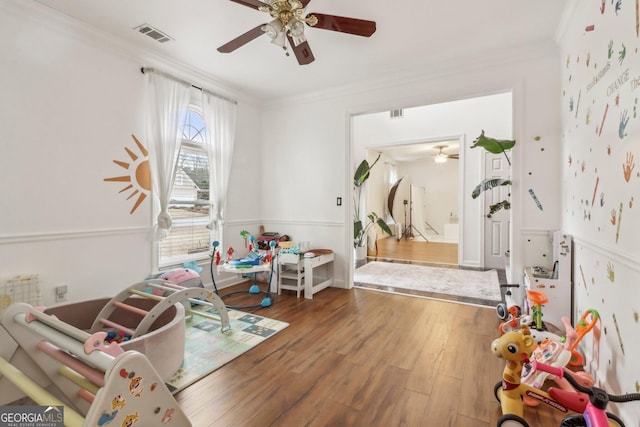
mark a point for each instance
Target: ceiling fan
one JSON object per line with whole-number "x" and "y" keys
{"x": 289, "y": 17}
{"x": 442, "y": 157}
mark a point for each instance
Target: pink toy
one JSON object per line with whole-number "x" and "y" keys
{"x": 182, "y": 276}
{"x": 554, "y": 354}
{"x": 590, "y": 404}
{"x": 573, "y": 336}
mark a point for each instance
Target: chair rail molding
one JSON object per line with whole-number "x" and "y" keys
{"x": 71, "y": 235}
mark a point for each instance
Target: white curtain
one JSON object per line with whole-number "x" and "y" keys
{"x": 220, "y": 121}
{"x": 167, "y": 101}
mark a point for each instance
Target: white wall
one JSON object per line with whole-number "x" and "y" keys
{"x": 600, "y": 89}
{"x": 440, "y": 182}
{"x": 70, "y": 103}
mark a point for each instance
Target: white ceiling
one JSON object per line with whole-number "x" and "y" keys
{"x": 419, "y": 151}
{"x": 413, "y": 38}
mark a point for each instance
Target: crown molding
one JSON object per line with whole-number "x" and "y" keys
{"x": 567, "y": 13}
{"x": 429, "y": 70}
{"x": 70, "y": 27}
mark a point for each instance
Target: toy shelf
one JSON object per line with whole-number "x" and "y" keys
{"x": 290, "y": 273}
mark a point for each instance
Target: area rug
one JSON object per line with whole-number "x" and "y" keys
{"x": 207, "y": 348}
{"x": 469, "y": 285}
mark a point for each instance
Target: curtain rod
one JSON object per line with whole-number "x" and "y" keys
{"x": 152, "y": 70}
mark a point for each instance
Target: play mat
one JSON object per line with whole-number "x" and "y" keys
{"x": 207, "y": 348}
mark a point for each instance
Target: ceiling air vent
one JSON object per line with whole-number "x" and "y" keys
{"x": 396, "y": 114}
{"x": 154, "y": 33}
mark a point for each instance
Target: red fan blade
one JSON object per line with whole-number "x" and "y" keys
{"x": 302, "y": 52}
{"x": 358, "y": 27}
{"x": 254, "y": 4}
{"x": 242, "y": 40}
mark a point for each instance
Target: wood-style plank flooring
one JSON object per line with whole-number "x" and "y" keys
{"x": 434, "y": 253}
{"x": 360, "y": 358}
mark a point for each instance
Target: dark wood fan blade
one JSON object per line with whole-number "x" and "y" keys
{"x": 302, "y": 52}
{"x": 358, "y": 27}
{"x": 242, "y": 40}
{"x": 254, "y": 4}
{"x": 304, "y": 3}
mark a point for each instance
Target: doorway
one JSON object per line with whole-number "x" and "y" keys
{"x": 461, "y": 120}
{"x": 415, "y": 186}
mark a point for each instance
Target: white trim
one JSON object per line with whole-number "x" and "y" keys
{"x": 317, "y": 223}
{"x": 462, "y": 158}
{"x": 538, "y": 233}
{"x": 567, "y": 13}
{"x": 70, "y": 235}
{"x": 417, "y": 74}
{"x": 607, "y": 251}
{"x": 519, "y": 124}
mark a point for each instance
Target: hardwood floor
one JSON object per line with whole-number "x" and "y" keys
{"x": 360, "y": 358}
{"x": 433, "y": 253}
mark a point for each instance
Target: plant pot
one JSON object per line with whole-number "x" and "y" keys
{"x": 360, "y": 253}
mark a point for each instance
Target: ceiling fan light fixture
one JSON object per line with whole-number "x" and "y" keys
{"x": 296, "y": 31}
{"x": 275, "y": 32}
{"x": 287, "y": 28}
{"x": 440, "y": 158}
{"x": 288, "y": 20}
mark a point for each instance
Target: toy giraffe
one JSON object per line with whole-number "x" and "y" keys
{"x": 516, "y": 348}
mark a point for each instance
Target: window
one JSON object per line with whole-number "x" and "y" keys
{"x": 189, "y": 237}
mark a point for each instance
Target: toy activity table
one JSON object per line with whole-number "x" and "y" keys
{"x": 228, "y": 268}
{"x": 255, "y": 288}
{"x": 244, "y": 270}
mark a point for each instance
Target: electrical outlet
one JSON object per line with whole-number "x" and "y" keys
{"x": 61, "y": 293}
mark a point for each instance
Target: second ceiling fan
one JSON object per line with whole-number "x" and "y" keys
{"x": 442, "y": 157}
{"x": 287, "y": 26}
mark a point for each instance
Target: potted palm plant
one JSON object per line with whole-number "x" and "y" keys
{"x": 360, "y": 230}
{"x": 494, "y": 146}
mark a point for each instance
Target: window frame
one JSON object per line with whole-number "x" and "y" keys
{"x": 197, "y": 145}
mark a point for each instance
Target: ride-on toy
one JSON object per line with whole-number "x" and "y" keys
{"x": 516, "y": 347}
{"x": 589, "y": 403}
{"x": 554, "y": 354}
{"x": 585, "y": 407}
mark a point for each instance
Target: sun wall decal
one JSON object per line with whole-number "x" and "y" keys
{"x": 139, "y": 178}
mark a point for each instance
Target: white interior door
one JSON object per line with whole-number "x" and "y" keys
{"x": 496, "y": 228}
